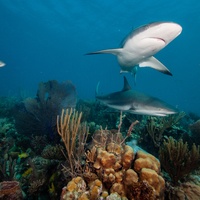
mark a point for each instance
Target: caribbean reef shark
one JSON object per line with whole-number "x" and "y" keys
{"x": 2, "y": 64}
{"x": 139, "y": 46}
{"x": 135, "y": 102}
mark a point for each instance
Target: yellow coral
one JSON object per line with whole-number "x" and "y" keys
{"x": 131, "y": 177}
{"x": 71, "y": 186}
{"x": 118, "y": 188}
{"x": 83, "y": 197}
{"x": 107, "y": 159}
{"x": 95, "y": 189}
{"x": 104, "y": 194}
{"x": 154, "y": 180}
{"x": 77, "y": 179}
{"x": 114, "y": 148}
{"x": 119, "y": 176}
{"x": 127, "y": 157}
{"x": 146, "y": 160}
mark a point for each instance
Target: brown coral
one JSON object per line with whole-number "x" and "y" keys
{"x": 177, "y": 160}
{"x": 95, "y": 189}
{"x": 184, "y": 191}
{"x": 113, "y": 172}
{"x": 128, "y": 157}
{"x": 131, "y": 177}
{"x": 10, "y": 190}
{"x": 75, "y": 189}
{"x": 154, "y": 180}
{"x": 140, "y": 191}
{"x": 146, "y": 160}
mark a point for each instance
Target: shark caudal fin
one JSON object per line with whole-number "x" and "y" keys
{"x": 106, "y": 51}
{"x": 155, "y": 64}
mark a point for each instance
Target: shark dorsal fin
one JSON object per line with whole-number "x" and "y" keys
{"x": 126, "y": 85}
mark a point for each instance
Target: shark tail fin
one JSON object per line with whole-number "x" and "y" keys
{"x": 155, "y": 64}
{"x": 106, "y": 51}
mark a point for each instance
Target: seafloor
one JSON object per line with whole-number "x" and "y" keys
{"x": 55, "y": 146}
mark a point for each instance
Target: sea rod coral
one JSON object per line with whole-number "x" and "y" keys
{"x": 74, "y": 135}
{"x": 177, "y": 160}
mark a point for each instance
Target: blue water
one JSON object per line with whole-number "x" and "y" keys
{"x": 43, "y": 40}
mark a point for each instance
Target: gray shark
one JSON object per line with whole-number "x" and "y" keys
{"x": 2, "y": 64}
{"x": 139, "y": 46}
{"x": 135, "y": 102}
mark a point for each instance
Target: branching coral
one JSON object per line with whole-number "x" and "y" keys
{"x": 7, "y": 169}
{"x": 72, "y": 133}
{"x": 157, "y": 125}
{"x": 177, "y": 160}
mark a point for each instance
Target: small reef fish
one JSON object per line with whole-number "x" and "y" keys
{"x": 2, "y": 64}
{"x": 135, "y": 102}
{"x": 23, "y": 155}
{"x": 139, "y": 47}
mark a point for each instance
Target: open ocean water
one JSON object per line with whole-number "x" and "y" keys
{"x": 43, "y": 40}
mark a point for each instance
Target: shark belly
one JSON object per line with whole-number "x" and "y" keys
{"x": 128, "y": 60}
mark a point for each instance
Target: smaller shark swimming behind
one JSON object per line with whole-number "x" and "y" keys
{"x": 135, "y": 102}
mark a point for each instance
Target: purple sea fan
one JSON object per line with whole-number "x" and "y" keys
{"x": 37, "y": 116}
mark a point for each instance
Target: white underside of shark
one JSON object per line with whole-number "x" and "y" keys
{"x": 140, "y": 46}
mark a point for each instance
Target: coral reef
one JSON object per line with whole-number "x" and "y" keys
{"x": 74, "y": 135}
{"x": 186, "y": 190}
{"x": 113, "y": 169}
{"x": 195, "y": 129}
{"x": 53, "y": 152}
{"x": 156, "y": 126}
{"x": 37, "y": 116}
{"x": 97, "y": 113}
{"x": 10, "y": 190}
{"x": 102, "y": 166}
{"x": 177, "y": 160}
{"x": 39, "y": 179}
{"x": 8, "y": 168}
{"x": 7, "y": 105}
{"x": 7, "y": 127}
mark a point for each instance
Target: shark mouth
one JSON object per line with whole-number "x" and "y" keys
{"x": 159, "y": 39}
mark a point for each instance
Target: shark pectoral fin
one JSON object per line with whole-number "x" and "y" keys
{"x": 155, "y": 64}
{"x": 109, "y": 51}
